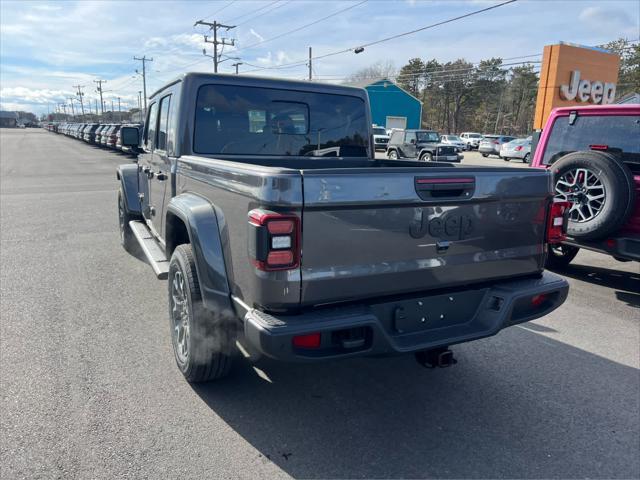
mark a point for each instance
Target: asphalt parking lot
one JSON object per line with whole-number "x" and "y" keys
{"x": 90, "y": 390}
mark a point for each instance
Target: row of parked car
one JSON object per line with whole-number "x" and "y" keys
{"x": 105, "y": 135}
{"x": 504, "y": 146}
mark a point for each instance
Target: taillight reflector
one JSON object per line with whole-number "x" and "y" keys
{"x": 274, "y": 241}
{"x": 280, "y": 227}
{"x": 311, "y": 340}
{"x": 280, "y": 258}
{"x": 538, "y": 300}
{"x": 557, "y": 222}
{"x": 599, "y": 147}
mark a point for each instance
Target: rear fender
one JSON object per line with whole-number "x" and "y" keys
{"x": 128, "y": 176}
{"x": 200, "y": 220}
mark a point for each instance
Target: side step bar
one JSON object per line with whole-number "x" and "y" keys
{"x": 151, "y": 249}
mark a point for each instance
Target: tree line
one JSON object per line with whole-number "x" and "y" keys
{"x": 491, "y": 96}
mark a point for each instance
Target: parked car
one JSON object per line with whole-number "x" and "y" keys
{"x": 89, "y": 133}
{"x": 380, "y": 138}
{"x": 399, "y": 257}
{"x": 423, "y": 145}
{"x": 520, "y": 149}
{"x": 98, "y": 133}
{"x": 127, "y": 148}
{"x": 490, "y": 144}
{"x": 104, "y": 135}
{"x": 111, "y": 137}
{"x": 471, "y": 139}
{"x": 594, "y": 154}
{"x": 453, "y": 140}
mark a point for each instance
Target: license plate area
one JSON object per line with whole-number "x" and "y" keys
{"x": 432, "y": 312}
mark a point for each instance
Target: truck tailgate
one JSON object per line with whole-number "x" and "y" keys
{"x": 385, "y": 231}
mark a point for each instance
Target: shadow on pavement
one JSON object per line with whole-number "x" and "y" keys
{"x": 570, "y": 414}
{"x": 606, "y": 277}
{"x": 631, "y": 299}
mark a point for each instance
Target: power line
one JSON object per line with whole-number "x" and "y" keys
{"x": 248, "y": 14}
{"x": 219, "y": 10}
{"x": 393, "y": 37}
{"x": 261, "y": 42}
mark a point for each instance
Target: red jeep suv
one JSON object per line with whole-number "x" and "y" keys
{"x": 594, "y": 152}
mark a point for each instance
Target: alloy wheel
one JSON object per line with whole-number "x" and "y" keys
{"x": 585, "y": 190}
{"x": 180, "y": 317}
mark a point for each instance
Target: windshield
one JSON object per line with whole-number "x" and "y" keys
{"x": 616, "y": 132}
{"x": 453, "y": 138}
{"x": 379, "y": 131}
{"x": 475, "y": 135}
{"x": 428, "y": 136}
{"x": 237, "y": 120}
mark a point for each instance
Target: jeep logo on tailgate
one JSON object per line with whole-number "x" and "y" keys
{"x": 451, "y": 227}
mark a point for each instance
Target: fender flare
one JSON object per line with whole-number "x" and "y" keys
{"x": 201, "y": 222}
{"x": 128, "y": 176}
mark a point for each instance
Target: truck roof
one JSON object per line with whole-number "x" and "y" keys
{"x": 615, "y": 109}
{"x": 269, "y": 82}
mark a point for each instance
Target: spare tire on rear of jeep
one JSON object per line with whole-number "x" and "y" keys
{"x": 601, "y": 189}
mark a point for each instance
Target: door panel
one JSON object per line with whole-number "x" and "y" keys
{"x": 145, "y": 160}
{"x": 160, "y": 170}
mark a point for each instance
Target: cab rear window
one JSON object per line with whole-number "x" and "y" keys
{"x": 233, "y": 120}
{"x": 617, "y": 132}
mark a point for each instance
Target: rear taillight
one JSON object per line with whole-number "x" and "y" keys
{"x": 274, "y": 240}
{"x": 496, "y": 142}
{"x": 557, "y": 222}
{"x": 518, "y": 148}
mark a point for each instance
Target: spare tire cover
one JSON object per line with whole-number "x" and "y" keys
{"x": 601, "y": 189}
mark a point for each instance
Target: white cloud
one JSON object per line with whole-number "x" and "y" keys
{"x": 257, "y": 35}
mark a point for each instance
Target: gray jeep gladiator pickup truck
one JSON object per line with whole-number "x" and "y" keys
{"x": 262, "y": 204}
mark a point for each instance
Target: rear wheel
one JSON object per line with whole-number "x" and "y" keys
{"x": 485, "y": 155}
{"x": 426, "y": 157}
{"x": 127, "y": 239}
{"x": 202, "y": 340}
{"x": 506, "y": 159}
{"x": 601, "y": 190}
{"x": 526, "y": 158}
{"x": 392, "y": 155}
{"x": 560, "y": 256}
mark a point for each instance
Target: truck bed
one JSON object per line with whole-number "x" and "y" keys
{"x": 375, "y": 228}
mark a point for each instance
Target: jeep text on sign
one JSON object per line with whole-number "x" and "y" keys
{"x": 574, "y": 75}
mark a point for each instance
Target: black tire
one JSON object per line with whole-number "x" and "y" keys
{"x": 603, "y": 175}
{"x": 506, "y": 159}
{"x": 127, "y": 239}
{"x": 485, "y": 155}
{"x": 426, "y": 157}
{"x": 392, "y": 155}
{"x": 526, "y": 158}
{"x": 559, "y": 256}
{"x": 203, "y": 341}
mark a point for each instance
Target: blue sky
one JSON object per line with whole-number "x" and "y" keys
{"x": 47, "y": 47}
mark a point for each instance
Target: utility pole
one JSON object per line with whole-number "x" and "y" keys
{"x": 140, "y": 101}
{"x": 223, "y": 41}
{"x": 119, "y": 111}
{"x": 96, "y": 106}
{"x": 73, "y": 113}
{"x": 236, "y": 65}
{"x": 310, "y": 66}
{"x": 144, "y": 61}
{"x": 80, "y": 95}
{"x": 99, "y": 90}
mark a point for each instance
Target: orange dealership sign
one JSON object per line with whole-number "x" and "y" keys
{"x": 574, "y": 75}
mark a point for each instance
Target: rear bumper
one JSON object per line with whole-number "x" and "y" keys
{"x": 626, "y": 248}
{"x": 408, "y": 324}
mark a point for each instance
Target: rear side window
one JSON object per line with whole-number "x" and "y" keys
{"x": 620, "y": 132}
{"x": 150, "y": 130}
{"x": 163, "y": 123}
{"x": 234, "y": 120}
{"x": 396, "y": 137}
{"x": 409, "y": 137}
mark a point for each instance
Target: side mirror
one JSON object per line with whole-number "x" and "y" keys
{"x": 130, "y": 136}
